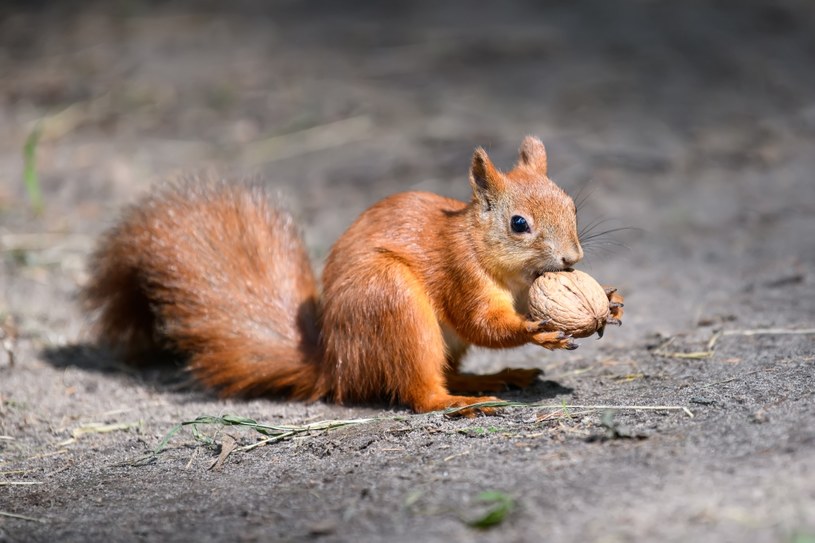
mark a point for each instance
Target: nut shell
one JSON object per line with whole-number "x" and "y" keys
{"x": 572, "y": 301}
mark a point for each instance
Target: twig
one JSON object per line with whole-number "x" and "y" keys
{"x": 19, "y": 483}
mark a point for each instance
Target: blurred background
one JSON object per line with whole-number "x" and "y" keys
{"x": 693, "y": 122}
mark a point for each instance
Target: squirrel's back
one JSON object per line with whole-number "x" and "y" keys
{"x": 218, "y": 272}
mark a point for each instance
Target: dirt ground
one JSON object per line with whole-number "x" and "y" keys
{"x": 692, "y": 122}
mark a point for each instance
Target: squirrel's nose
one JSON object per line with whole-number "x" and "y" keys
{"x": 572, "y": 257}
{"x": 568, "y": 261}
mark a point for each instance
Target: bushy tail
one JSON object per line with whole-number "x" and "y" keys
{"x": 217, "y": 272}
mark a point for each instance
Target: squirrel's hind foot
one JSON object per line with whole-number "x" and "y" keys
{"x": 440, "y": 403}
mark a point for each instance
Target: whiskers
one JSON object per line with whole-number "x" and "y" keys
{"x": 583, "y": 194}
{"x": 603, "y": 236}
{"x": 598, "y": 238}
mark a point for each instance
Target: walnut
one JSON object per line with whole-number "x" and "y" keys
{"x": 572, "y": 301}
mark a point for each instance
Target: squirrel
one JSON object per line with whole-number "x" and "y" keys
{"x": 219, "y": 273}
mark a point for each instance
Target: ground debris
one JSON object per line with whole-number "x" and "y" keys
{"x": 614, "y": 430}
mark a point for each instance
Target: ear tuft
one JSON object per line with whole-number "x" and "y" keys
{"x": 478, "y": 170}
{"x": 532, "y": 154}
{"x": 484, "y": 178}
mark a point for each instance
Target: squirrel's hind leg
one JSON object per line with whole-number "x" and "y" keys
{"x": 387, "y": 343}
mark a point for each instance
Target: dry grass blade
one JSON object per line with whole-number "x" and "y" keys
{"x": 20, "y": 517}
{"x": 15, "y": 472}
{"x": 684, "y": 409}
{"x": 274, "y": 432}
{"x": 35, "y": 457}
{"x": 457, "y": 455}
{"x": 770, "y": 332}
{"x": 228, "y": 444}
{"x": 730, "y": 380}
{"x": 317, "y": 138}
{"x": 663, "y": 351}
{"x": 696, "y": 355}
{"x": 99, "y": 428}
{"x": 267, "y": 441}
{"x": 9, "y": 332}
{"x": 283, "y": 432}
{"x": 39, "y": 241}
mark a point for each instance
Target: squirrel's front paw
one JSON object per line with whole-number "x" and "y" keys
{"x": 555, "y": 340}
{"x": 615, "y": 306}
{"x": 534, "y": 327}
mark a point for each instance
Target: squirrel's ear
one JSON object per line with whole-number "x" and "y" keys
{"x": 484, "y": 178}
{"x": 533, "y": 154}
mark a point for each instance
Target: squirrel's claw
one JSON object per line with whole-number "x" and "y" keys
{"x": 555, "y": 340}
{"x": 615, "y": 306}
{"x": 538, "y": 326}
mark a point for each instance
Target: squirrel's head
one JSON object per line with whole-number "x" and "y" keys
{"x": 528, "y": 224}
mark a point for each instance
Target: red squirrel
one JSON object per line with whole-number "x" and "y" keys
{"x": 218, "y": 273}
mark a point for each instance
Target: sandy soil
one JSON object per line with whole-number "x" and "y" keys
{"x": 694, "y": 122}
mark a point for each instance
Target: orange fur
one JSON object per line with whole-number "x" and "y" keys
{"x": 215, "y": 271}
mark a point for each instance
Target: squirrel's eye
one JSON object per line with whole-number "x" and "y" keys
{"x": 519, "y": 224}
